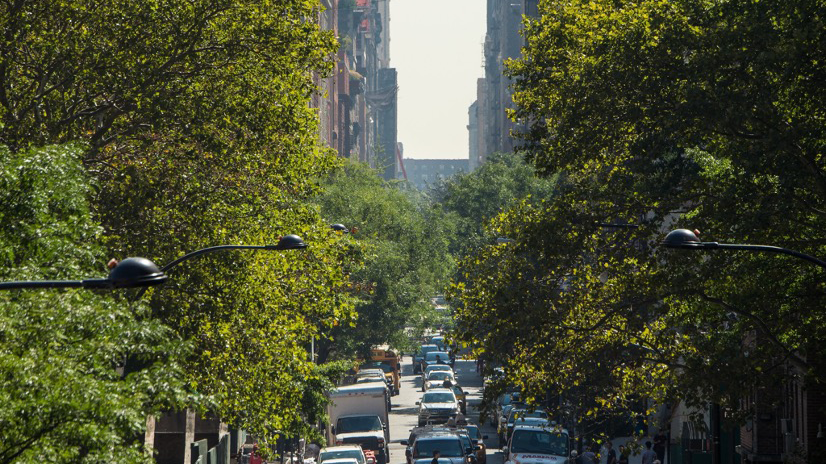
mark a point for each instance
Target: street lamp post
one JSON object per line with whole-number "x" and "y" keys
{"x": 142, "y": 273}
{"x": 129, "y": 273}
{"x": 287, "y": 242}
{"x": 685, "y": 239}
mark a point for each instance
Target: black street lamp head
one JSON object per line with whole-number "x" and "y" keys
{"x": 682, "y": 238}
{"x": 135, "y": 272}
{"x": 340, "y": 228}
{"x": 290, "y": 242}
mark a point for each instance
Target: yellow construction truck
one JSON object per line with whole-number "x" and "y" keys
{"x": 382, "y": 357}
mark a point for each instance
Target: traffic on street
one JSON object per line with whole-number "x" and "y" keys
{"x": 424, "y": 409}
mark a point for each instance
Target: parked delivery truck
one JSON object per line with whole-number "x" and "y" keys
{"x": 358, "y": 415}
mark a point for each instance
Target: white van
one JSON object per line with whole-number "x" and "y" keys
{"x": 537, "y": 445}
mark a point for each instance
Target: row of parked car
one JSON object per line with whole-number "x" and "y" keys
{"x": 527, "y": 433}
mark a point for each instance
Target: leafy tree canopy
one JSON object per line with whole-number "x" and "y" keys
{"x": 62, "y": 396}
{"x": 404, "y": 243}
{"x": 477, "y": 197}
{"x": 198, "y": 132}
{"x": 697, "y": 113}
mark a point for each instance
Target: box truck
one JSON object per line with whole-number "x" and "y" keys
{"x": 358, "y": 415}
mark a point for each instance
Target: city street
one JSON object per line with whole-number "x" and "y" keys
{"x": 221, "y": 222}
{"x": 404, "y": 416}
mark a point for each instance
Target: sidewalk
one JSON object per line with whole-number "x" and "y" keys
{"x": 632, "y": 459}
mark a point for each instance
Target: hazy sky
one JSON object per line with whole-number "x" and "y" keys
{"x": 436, "y": 46}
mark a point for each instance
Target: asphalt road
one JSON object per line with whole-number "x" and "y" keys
{"x": 404, "y": 415}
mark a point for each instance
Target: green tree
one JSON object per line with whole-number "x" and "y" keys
{"x": 199, "y": 133}
{"x": 656, "y": 113}
{"x": 62, "y": 398}
{"x": 477, "y": 197}
{"x": 404, "y": 242}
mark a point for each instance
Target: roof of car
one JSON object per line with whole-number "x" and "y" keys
{"x": 436, "y": 433}
{"x": 524, "y": 410}
{"x": 359, "y": 388}
{"x": 538, "y": 428}
{"x": 341, "y": 448}
{"x": 428, "y": 430}
{"x": 444, "y": 367}
{"x": 436, "y": 430}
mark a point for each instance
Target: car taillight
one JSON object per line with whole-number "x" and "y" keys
{"x": 339, "y": 442}
{"x": 381, "y": 442}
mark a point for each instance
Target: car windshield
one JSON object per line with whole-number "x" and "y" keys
{"x": 436, "y": 355}
{"x": 438, "y": 397}
{"x": 509, "y": 398}
{"x": 386, "y": 368}
{"x": 440, "y": 375}
{"x": 342, "y": 454}
{"x": 466, "y": 441}
{"x": 437, "y": 367}
{"x": 447, "y": 447}
{"x": 458, "y": 391}
{"x": 533, "y": 421}
{"x": 473, "y": 431}
{"x": 369, "y": 379}
{"x": 358, "y": 424}
{"x": 539, "y": 442}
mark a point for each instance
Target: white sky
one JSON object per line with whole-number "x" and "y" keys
{"x": 436, "y": 46}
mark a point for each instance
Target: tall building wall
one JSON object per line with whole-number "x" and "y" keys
{"x": 383, "y": 48}
{"x": 502, "y": 41}
{"x": 386, "y": 105}
{"x": 426, "y": 173}
{"x": 473, "y": 136}
{"x": 355, "y": 109}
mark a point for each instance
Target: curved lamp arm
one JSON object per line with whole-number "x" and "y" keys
{"x": 129, "y": 273}
{"x": 287, "y": 242}
{"x": 688, "y": 240}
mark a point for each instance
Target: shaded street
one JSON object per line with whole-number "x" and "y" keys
{"x": 404, "y": 415}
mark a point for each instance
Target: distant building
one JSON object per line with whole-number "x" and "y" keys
{"x": 473, "y": 136}
{"x": 425, "y": 173}
{"x": 502, "y": 41}
{"x": 384, "y": 107}
{"x": 357, "y": 105}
